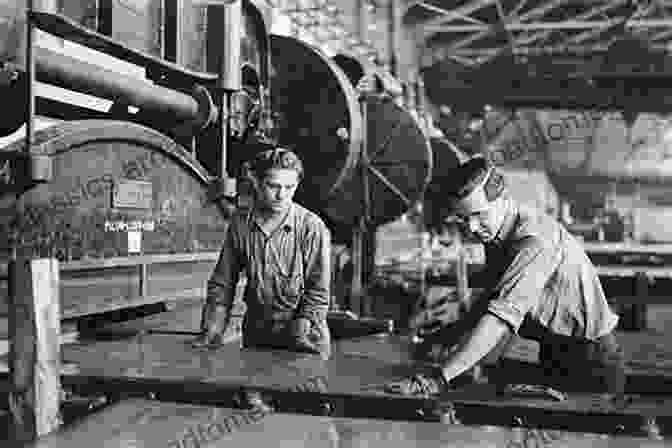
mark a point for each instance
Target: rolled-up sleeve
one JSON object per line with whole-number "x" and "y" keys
{"x": 314, "y": 303}
{"x": 222, "y": 284}
{"x": 519, "y": 289}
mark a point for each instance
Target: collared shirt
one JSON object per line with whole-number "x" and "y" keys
{"x": 288, "y": 271}
{"x": 541, "y": 280}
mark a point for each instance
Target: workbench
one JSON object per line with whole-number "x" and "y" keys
{"x": 350, "y": 384}
{"x": 152, "y": 357}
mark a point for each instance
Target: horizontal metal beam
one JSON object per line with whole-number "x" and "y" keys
{"x": 563, "y": 25}
{"x": 459, "y": 12}
{"x": 546, "y": 50}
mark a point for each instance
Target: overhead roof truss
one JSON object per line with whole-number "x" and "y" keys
{"x": 474, "y": 31}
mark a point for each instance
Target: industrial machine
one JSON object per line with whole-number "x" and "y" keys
{"x": 139, "y": 190}
{"x": 133, "y": 198}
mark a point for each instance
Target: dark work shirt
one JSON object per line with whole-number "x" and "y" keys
{"x": 288, "y": 271}
{"x": 539, "y": 274}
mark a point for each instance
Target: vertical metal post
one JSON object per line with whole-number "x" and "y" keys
{"x": 30, "y": 75}
{"x": 394, "y": 21}
{"x": 362, "y": 16}
{"x": 356, "y": 289}
{"x": 223, "y": 47}
{"x": 360, "y": 232}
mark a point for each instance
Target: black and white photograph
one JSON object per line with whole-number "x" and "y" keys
{"x": 335, "y": 223}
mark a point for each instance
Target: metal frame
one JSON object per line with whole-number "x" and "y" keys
{"x": 468, "y": 32}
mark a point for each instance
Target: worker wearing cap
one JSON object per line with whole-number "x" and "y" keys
{"x": 284, "y": 250}
{"x": 539, "y": 283}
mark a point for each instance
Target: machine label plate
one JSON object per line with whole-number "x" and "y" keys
{"x": 132, "y": 194}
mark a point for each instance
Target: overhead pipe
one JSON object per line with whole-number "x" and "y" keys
{"x": 73, "y": 74}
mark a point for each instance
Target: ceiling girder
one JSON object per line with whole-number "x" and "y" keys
{"x": 564, "y": 25}
{"x": 464, "y": 10}
{"x": 598, "y": 24}
{"x": 533, "y": 14}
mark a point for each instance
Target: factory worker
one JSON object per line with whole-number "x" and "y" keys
{"x": 539, "y": 283}
{"x": 284, "y": 250}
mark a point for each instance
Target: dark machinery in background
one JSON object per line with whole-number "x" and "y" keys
{"x": 135, "y": 199}
{"x": 367, "y": 158}
{"x": 131, "y": 199}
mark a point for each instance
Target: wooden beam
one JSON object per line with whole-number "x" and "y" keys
{"x": 35, "y": 356}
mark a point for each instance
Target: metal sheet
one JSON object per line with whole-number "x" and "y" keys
{"x": 350, "y": 383}
{"x": 151, "y": 424}
{"x": 316, "y": 103}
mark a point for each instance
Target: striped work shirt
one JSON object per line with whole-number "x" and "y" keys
{"x": 288, "y": 274}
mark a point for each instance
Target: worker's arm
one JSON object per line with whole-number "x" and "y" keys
{"x": 489, "y": 331}
{"x": 517, "y": 292}
{"x": 221, "y": 287}
{"x": 316, "y": 246}
{"x": 439, "y": 332}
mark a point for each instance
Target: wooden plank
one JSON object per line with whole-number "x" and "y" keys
{"x": 35, "y": 350}
{"x": 154, "y": 424}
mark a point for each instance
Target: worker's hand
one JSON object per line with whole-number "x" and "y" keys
{"x": 300, "y": 341}
{"x": 426, "y": 351}
{"x": 428, "y": 319}
{"x": 431, "y": 351}
{"x": 209, "y": 339}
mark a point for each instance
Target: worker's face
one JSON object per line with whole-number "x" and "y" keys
{"x": 480, "y": 217}
{"x": 276, "y": 190}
